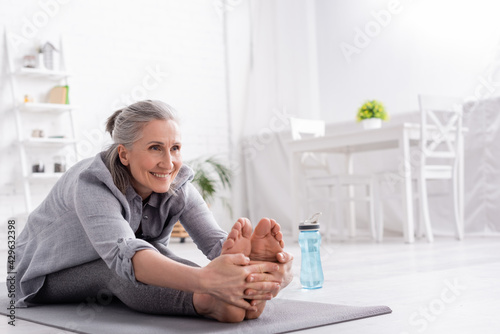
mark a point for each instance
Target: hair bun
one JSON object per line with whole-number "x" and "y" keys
{"x": 110, "y": 123}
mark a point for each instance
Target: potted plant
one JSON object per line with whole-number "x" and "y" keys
{"x": 371, "y": 114}
{"x": 210, "y": 177}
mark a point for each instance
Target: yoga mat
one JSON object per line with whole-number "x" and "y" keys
{"x": 280, "y": 315}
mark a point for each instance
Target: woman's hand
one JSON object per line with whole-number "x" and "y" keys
{"x": 285, "y": 271}
{"x": 226, "y": 278}
{"x": 283, "y": 275}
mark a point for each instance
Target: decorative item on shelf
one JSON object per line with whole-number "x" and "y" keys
{"x": 38, "y": 167}
{"x": 29, "y": 61}
{"x": 47, "y": 51}
{"x": 28, "y": 98}
{"x": 371, "y": 114}
{"x": 59, "y": 95}
{"x": 210, "y": 177}
{"x": 40, "y": 62}
{"x": 59, "y": 164}
{"x": 37, "y": 133}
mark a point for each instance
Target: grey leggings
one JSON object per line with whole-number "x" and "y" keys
{"x": 94, "y": 282}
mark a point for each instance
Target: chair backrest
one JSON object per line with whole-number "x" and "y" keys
{"x": 302, "y": 128}
{"x": 310, "y": 128}
{"x": 441, "y": 126}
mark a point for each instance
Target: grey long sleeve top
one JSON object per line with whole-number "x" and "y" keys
{"x": 85, "y": 217}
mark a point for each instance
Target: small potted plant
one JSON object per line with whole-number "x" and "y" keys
{"x": 371, "y": 114}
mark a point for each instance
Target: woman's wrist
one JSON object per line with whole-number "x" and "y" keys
{"x": 202, "y": 283}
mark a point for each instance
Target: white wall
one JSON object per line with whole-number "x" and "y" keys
{"x": 441, "y": 47}
{"x": 122, "y": 51}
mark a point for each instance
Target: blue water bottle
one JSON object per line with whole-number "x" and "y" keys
{"x": 311, "y": 272}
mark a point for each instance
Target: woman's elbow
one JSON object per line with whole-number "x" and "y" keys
{"x": 139, "y": 263}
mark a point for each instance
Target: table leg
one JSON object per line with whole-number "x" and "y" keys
{"x": 406, "y": 190}
{"x": 352, "y": 204}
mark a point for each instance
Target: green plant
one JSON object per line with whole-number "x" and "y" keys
{"x": 372, "y": 109}
{"x": 210, "y": 177}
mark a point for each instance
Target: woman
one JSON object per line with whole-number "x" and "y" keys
{"x": 105, "y": 227}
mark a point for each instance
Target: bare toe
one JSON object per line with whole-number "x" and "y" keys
{"x": 246, "y": 228}
{"x": 262, "y": 229}
{"x": 227, "y": 245}
{"x": 276, "y": 232}
{"x": 238, "y": 239}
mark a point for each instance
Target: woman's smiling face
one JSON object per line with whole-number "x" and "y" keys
{"x": 155, "y": 159}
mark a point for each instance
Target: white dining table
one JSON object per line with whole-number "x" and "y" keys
{"x": 399, "y": 136}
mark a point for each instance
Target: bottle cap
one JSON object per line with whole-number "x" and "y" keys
{"x": 310, "y": 224}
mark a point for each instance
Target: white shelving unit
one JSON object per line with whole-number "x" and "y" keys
{"x": 39, "y": 79}
{"x": 46, "y": 107}
{"x": 41, "y": 73}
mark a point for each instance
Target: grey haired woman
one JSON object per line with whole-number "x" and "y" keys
{"x": 104, "y": 230}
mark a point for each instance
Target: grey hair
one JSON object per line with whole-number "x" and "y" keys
{"x": 125, "y": 127}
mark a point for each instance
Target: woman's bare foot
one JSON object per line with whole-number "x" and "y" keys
{"x": 238, "y": 239}
{"x": 211, "y": 307}
{"x": 266, "y": 241}
{"x": 261, "y": 304}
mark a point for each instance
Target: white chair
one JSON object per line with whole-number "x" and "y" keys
{"x": 439, "y": 156}
{"x": 339, "y": 187}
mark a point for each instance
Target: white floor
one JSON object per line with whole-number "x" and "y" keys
{"x": 444, "y": 287}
